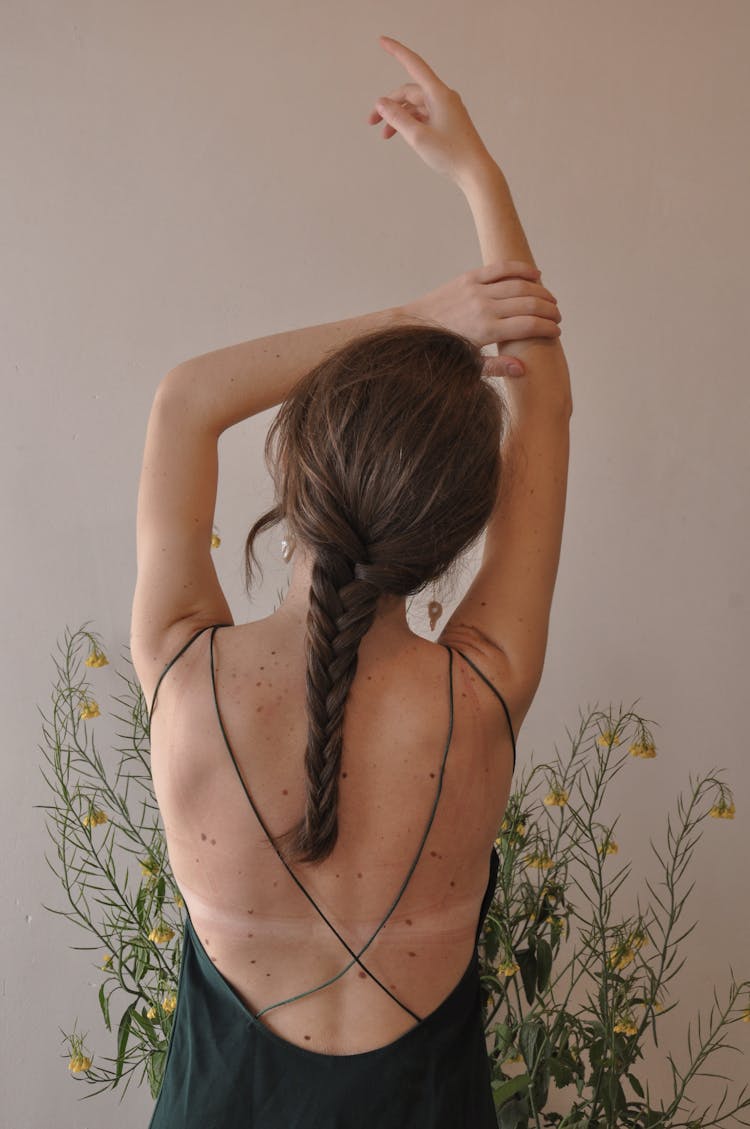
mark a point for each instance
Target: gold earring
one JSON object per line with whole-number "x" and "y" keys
{"x": 434, "y": 612}
{"x": 288, "y": 546}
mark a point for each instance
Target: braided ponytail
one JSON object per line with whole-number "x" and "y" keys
{"x": 342, "y": 609}
{"x": 386, "y": 468}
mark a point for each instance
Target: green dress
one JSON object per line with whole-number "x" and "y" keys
{"x": 226, "y": 1070}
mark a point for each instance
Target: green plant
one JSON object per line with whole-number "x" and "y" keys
{"x": 103, "y": 820}
{"x": 622, "y": 966}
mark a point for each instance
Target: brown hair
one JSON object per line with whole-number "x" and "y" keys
{"x": 386, "y": 469}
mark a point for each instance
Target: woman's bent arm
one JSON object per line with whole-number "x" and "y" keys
{"x": 228, "y": 385}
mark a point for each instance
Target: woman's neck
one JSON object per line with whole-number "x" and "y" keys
{"x": 389, "y": 617}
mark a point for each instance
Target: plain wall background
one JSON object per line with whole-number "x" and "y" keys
{"x": 182, "y": 176}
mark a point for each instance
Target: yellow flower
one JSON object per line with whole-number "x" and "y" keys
{"x": 149, "y": 866}
{"x": 643, "y": 749}
{"x": 94, "y": 818}
{"x": 498, "y": 842}
{"x": 520, "y": 829}
{"x": 161, "y": 934}
{"x": 170, "y": 1003}
{"x": 722, "y": 810}
{"x": 107, "y": 960}
{"x": 558, "y": 922}
{"x": 79, "y": 1063}
{"x": 514, "y": 1058}
{"x": 558, "y": 797}
{"x": 620, "y": 957}
{"x": 96, "y": 657}
{"x": 608, "y": 738}
{"x": 626, "y": 1027}
{"x": 508, "y": 968}
{"x": 505, "y": 825}
{"x": 746, "y": 1015}
{"x": 215, "y": 541}
{"x": 89, "y": 709}
{"x": 540, "y": 862}
{"x": 609, "y": 848}
{"x": 637, "y": 939}
{"x": 178, "y": 901}
{"x": 151, "y": 1013}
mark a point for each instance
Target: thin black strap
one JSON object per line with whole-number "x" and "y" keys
{"x": 171, "y": 663}
{"x": 497, "y": 693}
{"x": 312, "y": 901}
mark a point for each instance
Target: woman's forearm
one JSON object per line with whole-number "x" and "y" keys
{"x": 499, "y": 229}
{"x": 501, "y": 236}
{"x": 228, "y": 385}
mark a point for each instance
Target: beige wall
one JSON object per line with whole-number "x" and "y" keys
{"x": 181, "y": 176}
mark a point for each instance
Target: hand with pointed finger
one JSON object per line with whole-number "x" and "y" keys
{"x": 430, "y": 116}
{"x": 495, "y": 303}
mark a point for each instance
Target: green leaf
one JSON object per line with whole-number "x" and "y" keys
{"x": 122, "y": 1041}
{"x": 635, "y": 1084}
{"x": 104, "y": 1005}
{"x": 142, "y": 958}
{"x": 544, "y": 964}
{"x": 527, "y": 964}
{"x": 503, "y": 1038}
{"x": 513, "y": 1113}
{"x": 160, "y": 888}
{"x": 532, "y": 1038}
{"x": 562, "y": 1069}
{"x": 504, "y": 1090}
{"x": 140, "y": 907}
{"x": 540, "y": 1085}
{"x": 155, "y": 1071}
{"x": 596, "y": 1048}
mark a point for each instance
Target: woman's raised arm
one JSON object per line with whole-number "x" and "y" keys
{"x": 504, "y": 616}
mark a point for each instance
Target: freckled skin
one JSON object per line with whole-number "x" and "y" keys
{"x": 284, "y": 791}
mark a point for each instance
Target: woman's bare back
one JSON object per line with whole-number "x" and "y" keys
{"x": 254, "y": 922}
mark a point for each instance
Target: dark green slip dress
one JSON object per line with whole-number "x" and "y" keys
{"x": 226, "y": 1070}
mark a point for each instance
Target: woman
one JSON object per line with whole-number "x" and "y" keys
{"x": 331, "y": 783}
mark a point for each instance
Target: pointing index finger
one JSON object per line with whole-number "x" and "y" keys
{"x": 414, "y": 63}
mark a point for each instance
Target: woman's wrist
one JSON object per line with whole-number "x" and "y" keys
{"x": 474, "y": 177}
